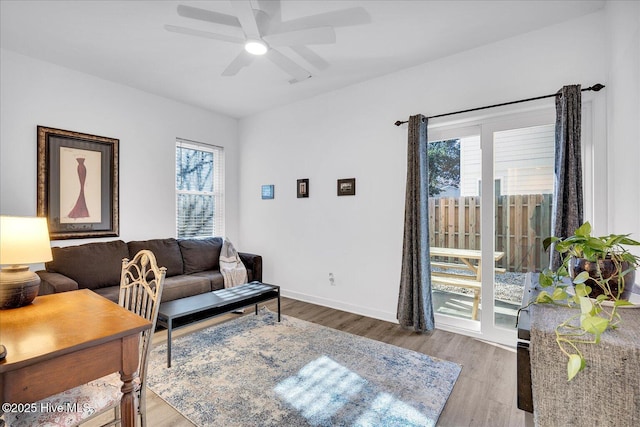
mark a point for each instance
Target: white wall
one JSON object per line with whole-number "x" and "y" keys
{"x": 39, "y": 93}
{"x": 623, "y": 110}
{"x": 350, "y": 133}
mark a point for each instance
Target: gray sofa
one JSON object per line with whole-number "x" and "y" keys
{"x": 192, "y": 266}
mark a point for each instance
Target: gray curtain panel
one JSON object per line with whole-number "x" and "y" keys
{"x": 567, "y": 194}
{"x": 415, "y": 307}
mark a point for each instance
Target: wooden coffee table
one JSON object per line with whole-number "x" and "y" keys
{"x": 214, "y": 304}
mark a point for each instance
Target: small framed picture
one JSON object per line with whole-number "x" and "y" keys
{"x": 267, "y": 192}
{"x": 303, "y": 188}
{"x": 347, "y": 187}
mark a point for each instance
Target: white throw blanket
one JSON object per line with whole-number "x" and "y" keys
{"x": 232, "y": 269}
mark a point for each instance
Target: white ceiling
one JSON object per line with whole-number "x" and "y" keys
{"x": 125, "y": 42}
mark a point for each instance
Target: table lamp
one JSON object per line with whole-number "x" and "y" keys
{"x": 23, "y": 240}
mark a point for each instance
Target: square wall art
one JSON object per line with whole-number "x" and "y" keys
{"x": 347, "y": 187}
{"x": 267, "y": 192}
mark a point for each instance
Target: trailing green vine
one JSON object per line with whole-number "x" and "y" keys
{"x": 594, "y": 317}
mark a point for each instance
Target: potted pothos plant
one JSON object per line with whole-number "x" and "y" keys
{"x": 596, "y": 276}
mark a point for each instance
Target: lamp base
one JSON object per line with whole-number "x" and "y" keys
{"x": 18, "y": 286}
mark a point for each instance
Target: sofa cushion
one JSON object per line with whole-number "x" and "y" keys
{"x": 214, "y": 276}
{"x": 184, "y": 286}
{"x": 200, "y": 254}
{"x": 92, "y": 265}
{"x": 167, "y": 253}
{"x": 111, "y": 293}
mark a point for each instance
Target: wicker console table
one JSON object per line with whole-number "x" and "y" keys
{"x": 606, "y": 393}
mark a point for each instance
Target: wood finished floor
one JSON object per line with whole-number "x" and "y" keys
{"x": 484, "y": 395}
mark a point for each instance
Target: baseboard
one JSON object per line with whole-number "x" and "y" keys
{"x": 338, "y": 305}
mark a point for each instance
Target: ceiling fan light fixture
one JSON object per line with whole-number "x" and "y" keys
{"x": 255, "y": 47}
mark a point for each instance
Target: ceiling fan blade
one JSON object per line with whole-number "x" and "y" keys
{"x": 318, "y": 35}
{"x": 208, "y": 15}
{"x": 240, "y": 61}
{"x": 271, "y": 8}
{"x": 200, "y": 33}
{"x": 311, "y": 57}
{"x": 247, "y": 18}
{"x": 296, "y": 71}
{"x": 337, "y": 18}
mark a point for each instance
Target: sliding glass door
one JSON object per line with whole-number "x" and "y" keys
{"x": 523, "y": 171}
{"x": 490, "y": 191}
{"x": 454, "y": 226}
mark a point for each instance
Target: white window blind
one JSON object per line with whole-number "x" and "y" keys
{"x": 199, "y": 189}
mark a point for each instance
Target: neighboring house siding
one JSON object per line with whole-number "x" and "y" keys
{"x": 524, "y": 161}
{"x": 470, "y": 169}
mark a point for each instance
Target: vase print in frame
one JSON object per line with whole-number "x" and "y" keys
{"x": 80, "y": 185}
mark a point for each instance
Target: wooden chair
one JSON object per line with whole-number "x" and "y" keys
{"x": 141, "y": 284}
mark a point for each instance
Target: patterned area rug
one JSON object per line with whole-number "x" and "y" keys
{"x": 254, "y": 371}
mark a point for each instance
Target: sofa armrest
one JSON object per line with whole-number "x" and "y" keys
{"x": 53, "y": 283}
{"x": 252, "y": 262}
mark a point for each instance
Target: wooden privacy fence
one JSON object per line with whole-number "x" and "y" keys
{"x": 522, "y": 223}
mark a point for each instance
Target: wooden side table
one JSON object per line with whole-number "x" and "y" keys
{"x": 63, "y": 340}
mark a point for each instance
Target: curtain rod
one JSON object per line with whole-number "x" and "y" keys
{"x": 594, "y": 88}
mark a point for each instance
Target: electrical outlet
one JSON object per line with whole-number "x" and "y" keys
{"x": 332, "y": 281}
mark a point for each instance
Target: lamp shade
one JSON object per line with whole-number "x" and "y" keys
{"x": 24, "y": 240}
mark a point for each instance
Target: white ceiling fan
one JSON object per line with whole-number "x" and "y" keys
{"x": 264, "y": 32}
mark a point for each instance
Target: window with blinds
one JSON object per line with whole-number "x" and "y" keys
{"x": 199, "y": 189}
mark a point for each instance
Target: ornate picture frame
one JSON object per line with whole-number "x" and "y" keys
{"x": 78, "y": 184}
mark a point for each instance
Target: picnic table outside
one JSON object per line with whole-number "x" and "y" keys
{"x": 465, "y": 272}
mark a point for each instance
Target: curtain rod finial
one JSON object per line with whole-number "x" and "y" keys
{"x": 597, "y": 87}
{"x": 398, "y": 123}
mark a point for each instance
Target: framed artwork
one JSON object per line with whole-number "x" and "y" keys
{"x": 267, "y": 192}
{"x": 303, "y": 188}
{"x": 77, "y": 184}
{"x": 347, "y": 187}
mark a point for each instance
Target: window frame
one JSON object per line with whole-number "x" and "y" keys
{"x": 218, "y": 227}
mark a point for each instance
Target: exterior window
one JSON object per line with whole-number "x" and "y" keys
{"x": 199, "y": 190}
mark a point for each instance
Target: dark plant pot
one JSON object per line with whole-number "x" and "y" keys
{"x": 609, "y": 273}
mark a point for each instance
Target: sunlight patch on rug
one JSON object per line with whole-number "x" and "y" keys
{"x": 254, "y": 371}
{"x": 320, "y": 388}
{"x": 386, "y": 410}
{"x": 323, "y": 386}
